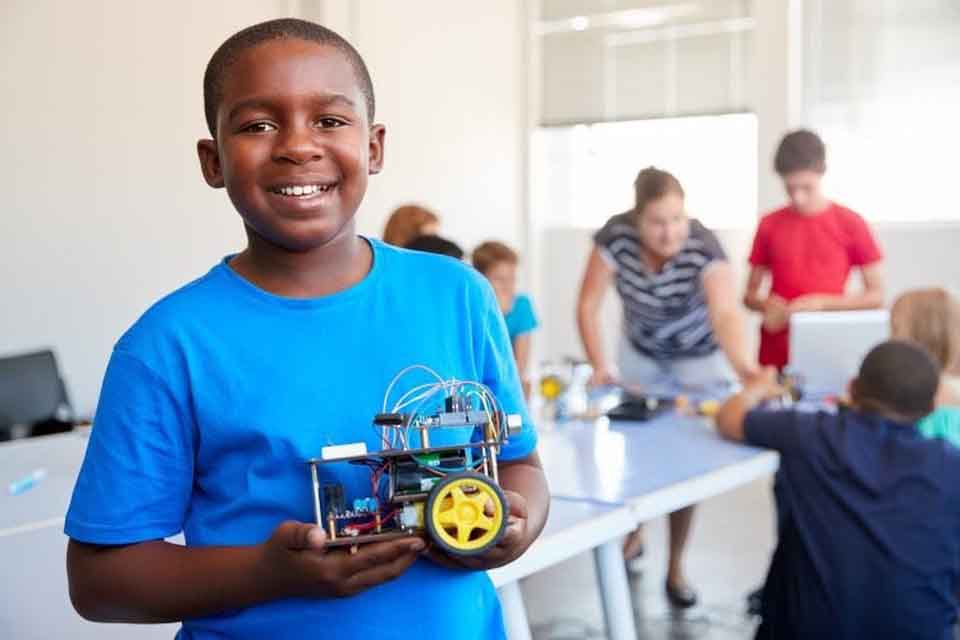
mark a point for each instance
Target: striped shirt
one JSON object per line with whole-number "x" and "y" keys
{"x": 665, "y": 313}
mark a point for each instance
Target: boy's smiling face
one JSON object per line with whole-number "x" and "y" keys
{"x": 294, "y": 146}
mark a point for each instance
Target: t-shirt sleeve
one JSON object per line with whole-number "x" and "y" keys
{"x": 771, "y": 429}
{"x": 605, "y": 235}
{"x": 137, "y": 474}
{"x": 523, "y": 319}
{"x": 863, "y": 248}
{"x": 760, "y": 252}
{"x": 499, "y": 372}
{"x": 709, "y": 241}
{"x": 604, "y": 238}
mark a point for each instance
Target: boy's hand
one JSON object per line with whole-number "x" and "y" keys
{"x": 776, "y": 313}
{"x": 513, "y": 543}
{"x": 297, "y": 560}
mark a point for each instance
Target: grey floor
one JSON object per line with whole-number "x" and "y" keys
{"x": 727, "y": 557}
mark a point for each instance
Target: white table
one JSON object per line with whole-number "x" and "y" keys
{"x": 573, "y": 527}
{"x": 652, "y": 468}
{"x": 34, "y": 597}
{"x": 605, "y": 479}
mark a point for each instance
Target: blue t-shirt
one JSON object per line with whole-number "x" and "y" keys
{"x": 521, "y": 317}
{"x": 869, "y": 540}
{"x": 215, "y": 398}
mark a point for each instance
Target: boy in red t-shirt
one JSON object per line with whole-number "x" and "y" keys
{"x": 808, "y": 249}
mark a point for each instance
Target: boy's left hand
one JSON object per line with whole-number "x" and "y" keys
{"x": 810, "y": 302}
{"x": 513, "y": 543}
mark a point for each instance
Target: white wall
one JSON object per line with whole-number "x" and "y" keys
{"x": 451, "y": 89}
{"x": 104, "y": 209}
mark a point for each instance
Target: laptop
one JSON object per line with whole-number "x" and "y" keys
{"x": 826, "y": 348}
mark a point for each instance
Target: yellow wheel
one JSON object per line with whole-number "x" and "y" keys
{"x": 466, "y": 514}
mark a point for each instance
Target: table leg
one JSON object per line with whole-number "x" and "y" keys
{"x": 514, "y": 613}
{"x": 615, "y": 591}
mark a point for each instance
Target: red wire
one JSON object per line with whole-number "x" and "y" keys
{"x": 365, "y": 526}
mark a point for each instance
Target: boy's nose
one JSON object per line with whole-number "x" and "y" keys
{"x": 298, "y": 146}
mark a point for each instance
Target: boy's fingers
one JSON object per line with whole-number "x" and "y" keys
{"x": 511, "y": 537}
{"x": 516, "y": 504}
{"x": 380, "y": 573}
{"x": 370, "y": 556}
{"x": 300, "y": 535}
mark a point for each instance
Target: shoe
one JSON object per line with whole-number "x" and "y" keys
{"x": 755, "y": 602}
{"x": 680, "y": 597}
{"x": 633, "y": 544}
{"x": 633, "y": 551}
{"x": 634, "y": 566}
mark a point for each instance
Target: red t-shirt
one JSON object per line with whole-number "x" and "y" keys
{"x": 808, "y": 254}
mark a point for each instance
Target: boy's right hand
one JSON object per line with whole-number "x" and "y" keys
{"x": 776, "y": 313}
{"x": 298, "y": 562}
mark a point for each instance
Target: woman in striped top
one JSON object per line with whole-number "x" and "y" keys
{"x": 683, "y": 330}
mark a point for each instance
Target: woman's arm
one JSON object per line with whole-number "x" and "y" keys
{"x": 593, "y": 288}
{"x": 726, "y": 318}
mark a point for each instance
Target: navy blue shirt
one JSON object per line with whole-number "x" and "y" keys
{"x": 869, "y": 516}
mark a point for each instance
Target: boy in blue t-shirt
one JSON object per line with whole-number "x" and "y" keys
{"x": 214, "y": 399}
{"x": 498, "y": 263}
{"x": 869, "y": 510}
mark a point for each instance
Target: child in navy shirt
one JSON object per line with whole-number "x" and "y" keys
{"x": 869, "y": 510}
{"x": 214, "y": 399}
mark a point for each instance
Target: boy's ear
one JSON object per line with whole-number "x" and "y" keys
{"x": 210, "y": 162}
{"x": 377, "y": 134}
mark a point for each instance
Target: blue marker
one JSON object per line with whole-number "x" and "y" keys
{"x": 27, "y": 482}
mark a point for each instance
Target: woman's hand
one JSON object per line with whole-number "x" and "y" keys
{"x": 601, "y": 377}
{"x": 749, "y": 372}
{"x": 765, "y": 385}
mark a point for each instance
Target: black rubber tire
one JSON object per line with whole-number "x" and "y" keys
{"x": 431, "y": 525}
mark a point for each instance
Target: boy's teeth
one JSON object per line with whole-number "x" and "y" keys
{"x": 302, "y": 190}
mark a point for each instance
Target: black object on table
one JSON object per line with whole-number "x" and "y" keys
{"x": 33, "y": 394}
{"x": 634, "y": 408}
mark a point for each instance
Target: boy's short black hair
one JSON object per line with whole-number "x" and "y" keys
{"x": 436, "y": 244}
{"x": 250, "y": 37}
{"x": 800, "y": 150}
{"x": 899, "y": 377}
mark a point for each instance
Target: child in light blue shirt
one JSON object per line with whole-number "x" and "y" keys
{"x": 498, "y": 263}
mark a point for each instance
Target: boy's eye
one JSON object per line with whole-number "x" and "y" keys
{"x": 258, "y": 127}
{"x": 330, "y": 123}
